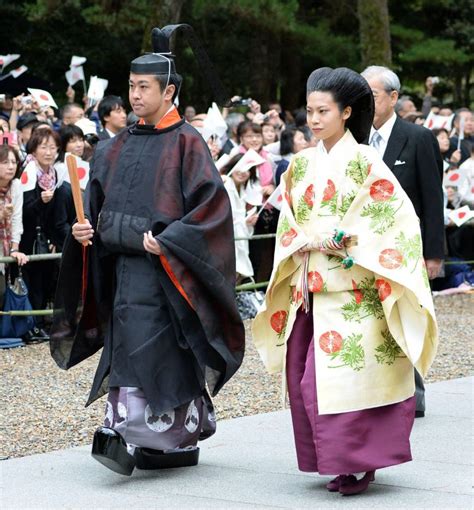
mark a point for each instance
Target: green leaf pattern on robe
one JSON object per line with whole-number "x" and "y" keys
{"x": 300, "y": 166}
{"x": 351, "y": 354}
{"x": 410, "y": 247}
{"x": 370, "y": 305}
{"x": 358, "y": 169}
{"x": 389, "y": 350}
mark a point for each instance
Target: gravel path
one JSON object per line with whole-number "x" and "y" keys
{"x": 43, "y": 407}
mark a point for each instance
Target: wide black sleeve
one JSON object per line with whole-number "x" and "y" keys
{"x": 199, "y": 258}
{"x": 429, "y": 165}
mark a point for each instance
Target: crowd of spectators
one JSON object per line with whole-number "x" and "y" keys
{"x": 36, "y": 141}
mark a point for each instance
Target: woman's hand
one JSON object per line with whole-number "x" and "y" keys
{"x": 251, "y": 220}
{"x": 150, "y": 243}
{"x": 268, "y": 190}
{"x": 17, "y": 106}
{"x": 83, "y": 232}
{"x": 20, "y": 257}
{"x": 455, "y": 157}
{"x": 255, "y": 107}
{"x": 47, "y": 196}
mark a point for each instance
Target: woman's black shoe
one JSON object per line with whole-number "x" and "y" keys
{"x": 110, "y": 449}
{"x": 155, "y": 459}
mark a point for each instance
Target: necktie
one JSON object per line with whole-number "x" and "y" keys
{"x": 376, "y": 140}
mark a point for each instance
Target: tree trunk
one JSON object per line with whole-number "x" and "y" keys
{"x": 374, "y": 30}
{"x": 293, "y": 91}
{"x": 166, "y": 12}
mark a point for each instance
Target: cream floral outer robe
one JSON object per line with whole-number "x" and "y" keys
{"x": 373, "y": 322}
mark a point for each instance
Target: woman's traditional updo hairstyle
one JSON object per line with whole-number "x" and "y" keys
{"x": 348, "y": 88}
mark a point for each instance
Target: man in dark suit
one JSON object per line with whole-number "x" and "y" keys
{"x": 412, "y": 154}
{"x": 113, "y": 116}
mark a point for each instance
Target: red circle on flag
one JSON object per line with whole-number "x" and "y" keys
{"x": 81, "y": 172}
{"x": 24, "y": 178}
{"x": 461, "y": 215}
{"x": 454, "y": 177}
{"x": 44, "y": 97}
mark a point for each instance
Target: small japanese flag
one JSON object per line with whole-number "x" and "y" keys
{"x": 461, "y": 215}
{"x": 275, "y": 199}
{"x": 74, "y": 75}
{"x": 28, "y": 177}
{"x": 43, "y": 97}
{"x": 455, "y": 178}
{"x": 250, "y": 159}
{"x": 77, "y": 61}
{"x": 6, "y": 60}
{"x": 97, "y": 87}
{"x": 434, "y": 121}
{"x": 18, "y": 71}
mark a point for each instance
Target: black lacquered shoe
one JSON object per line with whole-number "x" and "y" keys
{"x": 147, "y": 458}
{"x": 110, "y": 449}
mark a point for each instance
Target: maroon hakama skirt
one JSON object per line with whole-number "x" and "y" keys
{"x": 344, "y": 443}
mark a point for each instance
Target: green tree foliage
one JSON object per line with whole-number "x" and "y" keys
{"x": 261, "y": 48}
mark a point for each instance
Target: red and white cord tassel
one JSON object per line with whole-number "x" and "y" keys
{"x": 304, "y": 283}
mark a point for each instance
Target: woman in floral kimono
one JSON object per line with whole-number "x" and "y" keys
{"x": 348, "y": 311}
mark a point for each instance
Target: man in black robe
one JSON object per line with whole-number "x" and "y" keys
{"x": 155, "y": 286}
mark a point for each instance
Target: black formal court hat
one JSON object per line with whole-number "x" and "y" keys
{"x": 162, "y": 60}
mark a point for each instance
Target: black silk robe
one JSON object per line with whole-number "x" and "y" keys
{"x": 161, "y": 180}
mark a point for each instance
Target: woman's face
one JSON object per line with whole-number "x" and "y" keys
{"x": 46, "y": 152}
{"x": 269, "y": 134}
{"x": 4, "y": 126}
{"x": 76, "y": 146}
{"x": 299, "y": 142}
{"x": 214, "y": 147}
{"x": 324, "y": 117}
{"x": 240, "y": 177}
{"x": 450, "y": 192}
{"x": 443, "y": 141}
{"x": 8, "y": 167}
{"x": 251, "y": 140}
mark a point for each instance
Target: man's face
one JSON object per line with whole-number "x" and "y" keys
{"x": 189, "y": 113}
{"x": 468, "y": 123}
{"x": 117, "y": 119}
{"x": 146, "y": 98}
{"x": 73, "y": 115}
{"x": 408, "y": 107}
{"x": 384, "y": 102}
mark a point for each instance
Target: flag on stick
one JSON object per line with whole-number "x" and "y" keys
{"x": 74, "y": 75}
{"x": 43, "y": 97}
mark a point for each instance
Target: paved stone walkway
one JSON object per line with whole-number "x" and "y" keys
{"x": 250, "y": 463}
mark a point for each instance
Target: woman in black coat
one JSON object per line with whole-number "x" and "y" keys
{"x": 39, "y": 212}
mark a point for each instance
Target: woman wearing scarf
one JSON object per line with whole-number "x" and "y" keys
{"x": 11, "y": 203}
{"x": 348, "y": 311}
{"x": 261, "y": 252}
{"x": 39, "y": 181}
